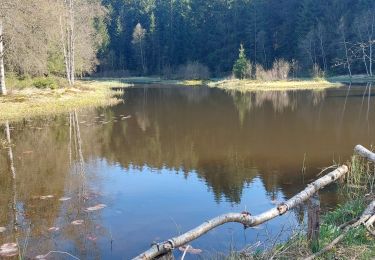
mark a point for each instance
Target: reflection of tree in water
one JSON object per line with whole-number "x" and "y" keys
{"x": 40, "y": 158}
{"x": 245, "y": 102}
{"x": 204, "y": 138}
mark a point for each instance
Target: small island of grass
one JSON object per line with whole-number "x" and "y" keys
{"x": 254, "y": 77}
{"x": 277, "y": 85}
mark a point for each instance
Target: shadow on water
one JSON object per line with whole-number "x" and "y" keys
{"x": 168, "y": 159}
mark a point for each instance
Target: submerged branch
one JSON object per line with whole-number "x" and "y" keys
{"x": 244, "y": 218}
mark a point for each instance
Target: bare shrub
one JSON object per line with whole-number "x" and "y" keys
{"x": 279, "y": 71}
{"x": 261, "y": 73}
{"x": 317, "y": 72}
{"x": 167, "y": 72}
{"x": 193, "y": 70}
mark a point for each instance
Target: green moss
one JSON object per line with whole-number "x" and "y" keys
{"x": 43, "y": 83}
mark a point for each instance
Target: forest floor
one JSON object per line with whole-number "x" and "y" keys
{"x": 26, "y": 100}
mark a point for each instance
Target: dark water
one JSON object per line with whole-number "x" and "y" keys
{"x": 168, "y": 159}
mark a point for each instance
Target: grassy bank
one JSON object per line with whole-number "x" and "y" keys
{"x": 357, "y": 243}
{"x": 256, "y": 85}
{"x": 150, "y": 80}
{"x": 356, "y": 79}
{"x": 45, "y": 96}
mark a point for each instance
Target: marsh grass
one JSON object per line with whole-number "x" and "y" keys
{"x": 25, "y": 102}
{"x": 360, "y": 180}
{"x": 277, "y": 85}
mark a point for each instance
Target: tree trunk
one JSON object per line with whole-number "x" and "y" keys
{"x": 13, "y": 172}
{"x": 65, "y": 52}
{"x": 362, "y": 151}
{"x": 71, "y": 42}
{"x": 3, "y": 90}
{"x": 244, "y": 218}
{"x": 313, "y": 218}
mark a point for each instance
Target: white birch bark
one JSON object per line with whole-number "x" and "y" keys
{"x": 362, "y": 151}
{"x": 3, "y": 90}
{"x": 244, "y": 218}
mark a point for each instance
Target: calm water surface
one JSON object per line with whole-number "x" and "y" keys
{"x": 168, "y": 159}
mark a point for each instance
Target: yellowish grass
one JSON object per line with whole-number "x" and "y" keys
{"x": 255, "y": 85}
{"x": 31, "y": 102}
{"x": 192, "y": 83}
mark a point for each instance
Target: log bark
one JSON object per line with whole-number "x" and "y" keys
{"x": 362, "y": 151}
{"x": 244, "y": 218}
{"x": 313, "y": 219}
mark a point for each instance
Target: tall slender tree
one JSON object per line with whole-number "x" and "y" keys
{"x": 3, "y": 90}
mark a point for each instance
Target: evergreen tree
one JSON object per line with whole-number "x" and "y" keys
{"x": 242, "y": 67}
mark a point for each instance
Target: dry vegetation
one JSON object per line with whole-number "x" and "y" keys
{"x": 279, "y": 85}
{"x": 30, "y": 101}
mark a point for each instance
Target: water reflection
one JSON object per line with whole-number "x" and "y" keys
{"x": 180, "y": 156}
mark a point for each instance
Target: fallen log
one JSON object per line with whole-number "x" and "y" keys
{"x": 362, "y": 151}
{"x": 244, "y": 218}
{"x": 366, "y": 216}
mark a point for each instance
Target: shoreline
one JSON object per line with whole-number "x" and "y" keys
{"x": 32, "y": 102}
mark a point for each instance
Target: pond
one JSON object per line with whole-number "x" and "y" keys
{"x": 107, "y": 183}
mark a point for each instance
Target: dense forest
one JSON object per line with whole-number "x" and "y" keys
{"x": 159, "y": 37}
{"x": 154, "y": 36}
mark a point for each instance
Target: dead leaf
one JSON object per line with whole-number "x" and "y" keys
{"x": 190, "y": 250}
{"x": 9, "y": 250}
{"x": 64, "y": 199}
{"x": 27, "y": 152}
{"x": 2, "y": 229}
{"x": 53, "y": 229}
{"x": 92, "y": 238}
{"x": 77, "y": 222}
{"x": 97, "y": 207}
{"x": 46, "y": 197}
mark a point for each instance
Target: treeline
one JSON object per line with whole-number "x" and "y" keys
{"x": 192, "y": 38}
{"x": 159, "y": 36}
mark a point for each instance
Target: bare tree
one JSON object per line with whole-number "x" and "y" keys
{"x": 346, "y": 47}
{"x": 320, "y": 33}
{"x": 68, "y": 39}
{"x": 3, "y": 90}
{"x": 365, "y": 25}
{"x": 138, "y": 39}
{"x": 79, "y": 41}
